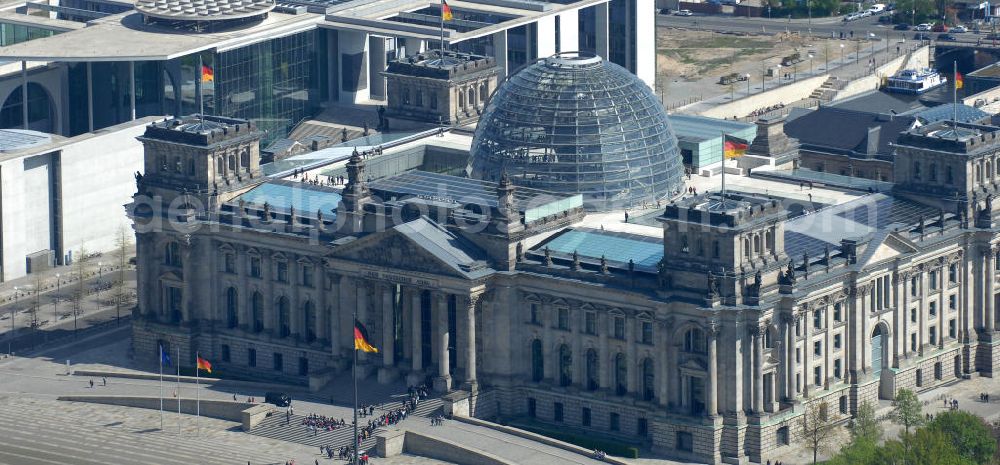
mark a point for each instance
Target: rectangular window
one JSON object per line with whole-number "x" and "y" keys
{"x": 614, "y": 422}
{"x": 563, "y": 315}
{"x": 836, "y": 312}
{"x": 585, "y": 416}
{"x": 642, "y": 427}
{"x": 932, "y": 308}
{"x": 798, "y": 328}
{"x": 281, "y": 271}
{"x": 619, "y": 327}
{"x": 255, "y": 267}
{"x": 953, "y": 274}
{"x": 798, "y": 355}
{"x": 798, "y": 382}
{"x": 557, "y": 412}
{"x": 647, "y": 332}
{"x": 818, "y": 348}
{"x": 534, "y": 314}
{"x": 251, "y": 357}
{"x": 225, "y": 352}
{"x": 685, "y": 441}
{"x": 303, "y": 366}
{"x": 952, "y": 329}
{"x": 836, "y": 368}
{"x": 434, "y": 101}
{"x": 818, "y": 319}
{"x": 932, "y": 279}
{"x": 230, "y": 263}
{"x": 913, "y": 342}
{"x": 952, "y": 302}
{"x": 933, "y": 335}
{"x": 590, "y": 322}
{"x": 913, "y": 315}
{"x": 307, "y": 275}
{"x": 836, "y": 341}
{"x": 913, "y": 286}
{"x": 279, "y": 362}
{"x": 818, "y": 376}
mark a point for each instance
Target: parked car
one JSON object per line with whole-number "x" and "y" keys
{"x": 851, "y": 17}
{"x": 923, "y": 27}
{"x": 939, "y": 27}
{"x": 947, "y": 37}
{"x": 865, "y": 14}
{"x": 902, "y": 27}
{"x": 277, "y": 398}
{"x": 959, "y": 29}
{"x": 921, "y": 36}
{"x": 684, "y": 13}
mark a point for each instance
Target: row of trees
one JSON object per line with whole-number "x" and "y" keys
{"x": 950, "y": 438}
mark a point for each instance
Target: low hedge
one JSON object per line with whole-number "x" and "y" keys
{"x": 587, "y": 442}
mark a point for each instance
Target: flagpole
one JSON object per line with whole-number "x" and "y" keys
{"x": 178, "y": 390}
{"x": 954, "y": 95}
{"x": 354, "y": 374}
{"x": 201, "y": 90}
{"x": 197, "y": 392}
{"x": 723, "y": 170}
{"x": 161, "y": 387}
{"x": 442, "y": 32}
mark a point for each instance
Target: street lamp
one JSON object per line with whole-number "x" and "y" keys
{"x": 811, "y": 63}
{"x": 55, "y": 301}
{"x": 748, "y": 84}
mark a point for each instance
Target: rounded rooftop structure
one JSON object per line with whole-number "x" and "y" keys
{"x": 579, "y": 124}
{"x": 207, "y": 14}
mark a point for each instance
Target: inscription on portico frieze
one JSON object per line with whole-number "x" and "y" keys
{"x": 398, "y": 278}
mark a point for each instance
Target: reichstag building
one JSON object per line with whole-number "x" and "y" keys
{"x": 700, "y": 327}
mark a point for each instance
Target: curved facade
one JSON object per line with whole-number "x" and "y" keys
{"x": 573, "y": 124}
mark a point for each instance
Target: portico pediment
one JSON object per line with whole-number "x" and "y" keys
{"x": 693, "y": 364}
{"x": 420, "y": 246}
{"x": 892, "y": 246}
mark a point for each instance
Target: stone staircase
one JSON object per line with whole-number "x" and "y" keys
{"x": 828, "y": 90}
{"x": 274, "y": 427}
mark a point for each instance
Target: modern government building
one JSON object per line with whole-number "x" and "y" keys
{"x": 500, "y": 265}
{"x": 83, "y": 65}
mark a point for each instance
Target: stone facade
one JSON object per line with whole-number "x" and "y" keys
{"x": 429, "y": 88}
{"x": 710, "y": 356}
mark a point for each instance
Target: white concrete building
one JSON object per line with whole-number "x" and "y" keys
{"x": 58, "y": 195}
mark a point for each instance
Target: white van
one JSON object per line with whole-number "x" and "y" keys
{"x": 876, "y": 8}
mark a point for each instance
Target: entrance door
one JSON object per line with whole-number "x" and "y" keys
{"x": 877, "y": 352}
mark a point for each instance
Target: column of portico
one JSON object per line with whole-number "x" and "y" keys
{"x": 388, "y": 349}
{"x": 245, "y": 295}
{"x": 187, "y": 291}
{"x": 267, "y": 290}
{"x": 758, "y": 369}
{"x": 865, "y": 340}
{"x": 790, "y": 368}
{"x": 803, "y": 321}
{"x": 921, "y": 310}
{"x": 443, "y": 380}
{"x": 296, "y": 309}
{"x": 362, "y": 287}
{"x": 322, "y": 323}
{"x": 416, "y": 351}
{"x": 899, "y": 316}
{"x": 332, "y": 311}
{"x": 713, "y": 370}
{"x": 470, "y": 342}
{"x": 942, "y": 305}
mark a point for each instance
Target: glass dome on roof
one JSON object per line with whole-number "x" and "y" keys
{"x": 575, "y": 124}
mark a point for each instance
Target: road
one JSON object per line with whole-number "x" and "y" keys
{"x": 826, "y": 27}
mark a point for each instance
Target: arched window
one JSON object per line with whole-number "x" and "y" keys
{"x": 257, "y": 309}
{"x": 565, "y": 365}
{"x": 461, "y": 99}
{"x": 770, "y": 338}
{"x": 989, "y": 170}
{"x": 219, "y": 167}
{"x": 245, "y": 158}
{"x": 746, "y": 247}
{"x": 756, "y": 244}
{"x": 309, "y": 323}
{"x": 949, "y": 176}
{"x": 537, "y": 362}
{"x": 284, "y": 320}
{"x": 593, "y": 367}
{"x": 232, "y": 163}
{"x": 694, "y": 341}
{"x": 932, "y": 172}
{"x": 979, "y": 174}
{"x": 621, "y": 375}
{"x": 472, "y": 97}
{"x": 190, "y": 166}
{"x": 648, "y": 380}
{"x": 40, "y": 113}
{"x": 484, "y": 92}
{"x": 916, "y": 170}
{"x": 232, "y": 308}
{"x": 172, "y": 254}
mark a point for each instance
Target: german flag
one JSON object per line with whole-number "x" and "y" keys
{"x": 207, "y": 74}
{"x": 734, "y": 147}
{"x": 204, "y": 365}
{"x": 446, "y": 11}
{"x": 361, "y": 341}
{"x": 959, "y": 80}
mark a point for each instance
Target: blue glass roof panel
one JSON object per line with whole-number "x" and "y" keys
{"x": 305, "y": 198}
{"x": 617, "y": 247}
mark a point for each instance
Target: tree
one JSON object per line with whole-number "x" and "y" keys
{"x": 819, "y": 429}
{"x": 121, "y": 295}
{"x": 907, "y": 411}
{"x": 861, "y": 451}
{"x": 970, "y": 434}
{"x": 80, "y": 267}
{"x": 866, "y": 425}
{"x": 916, "y": 10}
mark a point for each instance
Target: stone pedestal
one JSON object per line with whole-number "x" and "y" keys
{"x": 387, "y": 375}
{"x": 442, "y": 383}
{"x": 415, "y": 378}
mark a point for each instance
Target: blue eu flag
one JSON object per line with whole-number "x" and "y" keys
{"x": 164, "y": 357}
